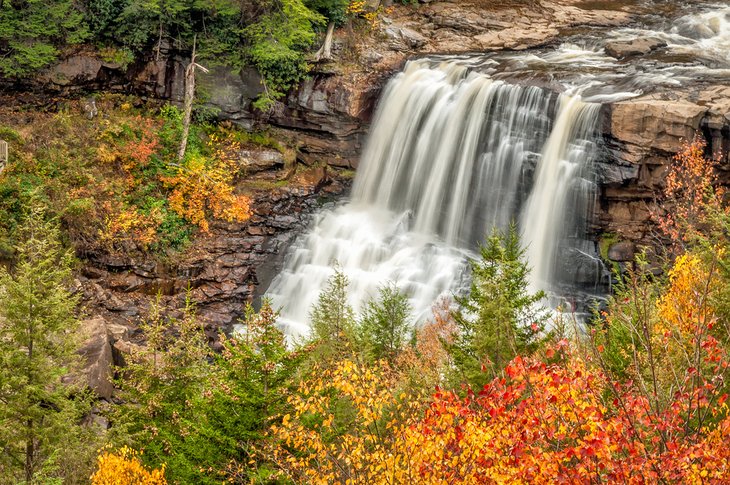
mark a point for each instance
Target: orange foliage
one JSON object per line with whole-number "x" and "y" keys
{"x": 139, "y": 151}
{"x": 207, "y": 185}
{"x": 550, "y": 424}
{"x": 124, "y": 468}
{"x": 540, "y": 423}
{"x": 692, "y": 192}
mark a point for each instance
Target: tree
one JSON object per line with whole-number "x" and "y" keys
{"x": 336, "y": 12}
{"x": 385, "y": 325}
{"x": 39, "y": 415}
{"x": 499, "y": 319}
{"x": 332, "y": 319}
{"x": 188, "y": 100}
{"x": 31, "y": 30}
{"x": 159, "y": 388}
{"x": 253, "y": 376}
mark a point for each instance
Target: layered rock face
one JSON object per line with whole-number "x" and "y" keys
{"x": 219, "y": 272}
{"x": 643, "y": 134}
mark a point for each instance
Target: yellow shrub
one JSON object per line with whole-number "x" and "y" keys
{"x": 124, "y": 468}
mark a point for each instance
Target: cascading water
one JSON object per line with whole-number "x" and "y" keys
{"x": 452, "y": 153}
{"x": 562, "y": 194}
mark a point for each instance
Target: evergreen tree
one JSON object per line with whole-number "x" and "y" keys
{"x": 39, "y": 414}
{"x": 385, "y": 325}
{"x": 160, "y": 387}
{"x": 250, "y": 386}
{"x": 499, "y": 318}
{"x": 332, "y": 319}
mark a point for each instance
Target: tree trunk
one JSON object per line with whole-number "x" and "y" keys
{"x": 325, "y": 52}
{"x": 29, "y": 452}
{"x": 187, "y": 105}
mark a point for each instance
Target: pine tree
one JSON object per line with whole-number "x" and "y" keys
{"x": 385, "y": 325}
{"x": 160, "y": 387}
{"x": 39, "y": 414}
{"x": 332, "y": 319}
{"x": 499, "y": 318}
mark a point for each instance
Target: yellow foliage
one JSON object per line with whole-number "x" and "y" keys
{"x": 121, "y": 223}
{"x": 686, "y": 299}
{"x": 350, "y": 438}
{"x": 124, "y": 468}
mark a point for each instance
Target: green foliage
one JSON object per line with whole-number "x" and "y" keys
{"x": 102, "y": 15}
{"x": 499, "y": 319}
{"x": 159, "y": 387}
{"x": 334, "y": 10}
{"x": 40, "y": 415}
{"x": 332, "y": 319}
{"x": 252, "y": 375}
{"x": 385, "y": 324}
{"x": 31, "y": 30}
{"x": 276, "y": 45}
{"x": 199, "y": 413}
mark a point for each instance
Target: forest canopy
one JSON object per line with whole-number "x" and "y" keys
{"x": 271, "y": 35}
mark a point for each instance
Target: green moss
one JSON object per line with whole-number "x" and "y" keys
{"x": 605, "y": 242}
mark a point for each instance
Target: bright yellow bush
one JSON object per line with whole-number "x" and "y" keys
{"x": 687, "y": 298}
{"x": 124, "y": 468}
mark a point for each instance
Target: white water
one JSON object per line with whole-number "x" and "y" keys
{"x": 558, "y": 178}
{"x": 697, "y": 47}
{"x": 452, "y": 153}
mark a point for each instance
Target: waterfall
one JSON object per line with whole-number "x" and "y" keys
{"x": 551, "y": 210}
{"x": 452, "y": 153}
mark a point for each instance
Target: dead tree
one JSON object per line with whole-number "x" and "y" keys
{"x": 188, "y": 101}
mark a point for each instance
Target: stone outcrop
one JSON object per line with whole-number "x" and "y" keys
{"x": 220, "y": 272}
{"x": 100, "y": 353}
{"x": 622, "y": 49}
{"x": 642, "y": 136}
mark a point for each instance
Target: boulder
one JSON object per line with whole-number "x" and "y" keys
{"x": 403, "y": 38}
{"x": 651, "y": 122}
{"x": 517, "y": 38}
{"x": 259, "y": 160}
{"x": 621, "y": 49}
{"x": 96, "y": 353}
{"x": 314, "y": 178}
{"x": 622, "y": 252}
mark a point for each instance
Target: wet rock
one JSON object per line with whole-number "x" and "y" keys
{"x": 582, "y": 268}
{"x": 622, "y": 252}
{"x": 517, "y": 38}
{"x": 621, "y": 49}
{"x": 616, "y": 173}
